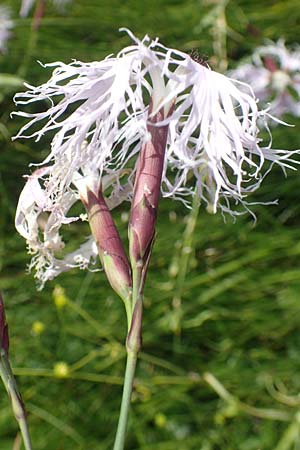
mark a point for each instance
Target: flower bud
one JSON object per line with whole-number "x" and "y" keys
{"x": 110, "y": 248}
{"x": 147, "y": 190}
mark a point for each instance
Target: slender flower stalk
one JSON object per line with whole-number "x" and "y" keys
{"x": 9, "y": 381}
{"x": 133, "y": 346}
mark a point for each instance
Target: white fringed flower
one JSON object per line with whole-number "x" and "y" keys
{"x": 98, "y": 113}
{"x": 213, "y": 126}
{"x": 6, "y": 25}
{"x": 274, "y": 75}
{"x": 39, "y": 221}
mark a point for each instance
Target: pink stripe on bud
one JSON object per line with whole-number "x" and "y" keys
{"x": 4, "y": 339}
{"x": 110, "y": 248}
{"x": 147, "y": 190}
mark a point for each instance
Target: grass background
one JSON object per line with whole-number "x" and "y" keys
{"x": 221, "y": 360}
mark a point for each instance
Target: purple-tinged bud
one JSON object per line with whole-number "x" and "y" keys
{"x": 110, "y": 247}
{"x": 147, "y": 190}
{"x": 4, "y": 339}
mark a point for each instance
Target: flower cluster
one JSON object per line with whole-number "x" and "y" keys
{"x": 274, "y": 75}
{"x": 99, "y": 114}
{"x": 6, "y": 24}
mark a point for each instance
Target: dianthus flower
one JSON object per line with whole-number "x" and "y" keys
{"x": 39, "y": 221}
{"x": 103, "y": 113}
{"x": 274, "y": 75}
{"x": 147, "y": 121}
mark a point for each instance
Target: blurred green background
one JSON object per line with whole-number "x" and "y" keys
{"x": 221, "y": 349}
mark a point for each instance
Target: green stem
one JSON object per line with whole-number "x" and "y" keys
{"x": 133, "y": 345}
{"x": 136, "y": 284}
{"x": 16, "y": 401}
{"x": 127, "y": 390}
{"x": 128, "y": 309}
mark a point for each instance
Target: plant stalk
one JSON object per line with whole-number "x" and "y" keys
{"x": 133, "y": 346}
{"x": 16, "y": 401}
{"x": 125, "y": 404}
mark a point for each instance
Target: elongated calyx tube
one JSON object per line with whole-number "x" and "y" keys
{"x": 110, "y": 247}
{"x": 146, "y": 193}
